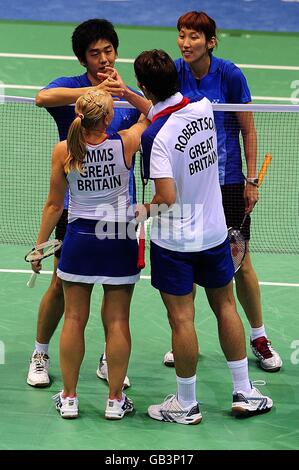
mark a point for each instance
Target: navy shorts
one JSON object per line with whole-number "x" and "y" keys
{"x": 86, "y": 258}
{"x": 234, "y": 207}
{"x": 60, "y": 230}
{"x": 175, "y": 272}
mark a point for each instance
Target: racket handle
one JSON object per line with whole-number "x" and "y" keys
{"x": 141, "y": 248}
{"x": 263, "y": 170}
{"x": 243, "y": 222}
{"x": 31, "y": 281}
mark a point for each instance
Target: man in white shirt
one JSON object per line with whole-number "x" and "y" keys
{"x": 189, "y": 236}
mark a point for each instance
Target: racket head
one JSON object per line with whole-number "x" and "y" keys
{"x": 43, "y": 250}
{"x": 237, "y": 246}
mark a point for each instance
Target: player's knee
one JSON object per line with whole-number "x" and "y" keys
{"x": 179, "y": 320}
{"x": 225, "y": 306}
{"x": 74, "y": 321}
{"x": 245, "y": 270}
{"x": 118, "y": 325}
{"x": 56, "y": 286}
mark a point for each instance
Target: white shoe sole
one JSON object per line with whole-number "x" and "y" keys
{"x": 160, "y": 418}
{"x": 239, "y": 411}
{"x": 269, "y": 369}
{"x": 115, "y": 416}
{"x": 69, "y": 415}
{"x": 38, "y": 384}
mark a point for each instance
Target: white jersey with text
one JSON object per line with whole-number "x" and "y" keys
{"x": 101, "y": 192}
{"x": 181, "y": 143}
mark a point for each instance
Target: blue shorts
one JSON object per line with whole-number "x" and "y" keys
{"x": 175, "y": 272}
{"x": 86, "y": 258}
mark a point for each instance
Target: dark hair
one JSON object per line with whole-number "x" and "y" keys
{"x": 157, "y": 72}
{"x": 90, "y": 31}
{"x": 199, "y": 21}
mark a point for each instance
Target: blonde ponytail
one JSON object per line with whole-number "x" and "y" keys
{"x": 76, "y": 147}
{"x": 91, "y": 109}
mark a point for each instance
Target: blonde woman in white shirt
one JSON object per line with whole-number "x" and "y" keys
{"x": 100, "y": 246}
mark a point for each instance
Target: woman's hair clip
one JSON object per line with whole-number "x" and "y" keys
{"x": 81, "y": 116}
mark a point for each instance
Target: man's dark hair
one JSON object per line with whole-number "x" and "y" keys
{"x": 90, "y": 31}
{"x": 157, "y": 72}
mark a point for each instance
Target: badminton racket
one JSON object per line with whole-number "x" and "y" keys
{"x": 141, "y": 244}
{"x": 236, "y": 238}
{"x": 40, "y": 252}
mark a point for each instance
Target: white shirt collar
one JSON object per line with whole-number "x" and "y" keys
{"x": 172, "y": 101}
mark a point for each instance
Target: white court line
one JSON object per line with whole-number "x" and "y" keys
{"x": 53, "y": 57}
{"x": 262, "y": 283}
{"x": 21, "y": 87}
{"x": 131, "y": 61}
{"x": 268, "y": 67}
{"x": 275, "y": 98}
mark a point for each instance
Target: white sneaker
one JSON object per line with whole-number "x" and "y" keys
{"x": 268, "y": 358}
{"x": 250, "y": 403}
{"x": 115, "y": 409}
{"x": 171, "y": 410}
{"x": 102, "y": 372}
{"x": 67, "y": 407}
{"x": 169, "y": 359}
{"x": 38, "y": 375}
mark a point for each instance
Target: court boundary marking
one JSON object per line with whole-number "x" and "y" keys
{"x": 256, "y": 98}
{"x": 131, "y": 61}
{"x": 147, "y": 278}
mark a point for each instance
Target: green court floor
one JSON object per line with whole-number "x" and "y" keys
{"x": 28, "y": 416}
{"x": 241, "y": 47}
{"x": 30, "y": 421}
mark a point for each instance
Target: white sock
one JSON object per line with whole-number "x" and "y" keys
{"x": 239, "y": 371}
{"x": 63, "y": 396}
{"x": 121, "y": 401}
{"x": 258, "y": 332}
{"x": 186, "y": 389}
{"x": 41, "y": 348}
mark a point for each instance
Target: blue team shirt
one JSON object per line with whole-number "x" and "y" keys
{"x": 64, "y": 116}
{"x": 224, "y": 83}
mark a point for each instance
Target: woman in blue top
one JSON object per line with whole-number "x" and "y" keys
{"x": 221, "y": 81}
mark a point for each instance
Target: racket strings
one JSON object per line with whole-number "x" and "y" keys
{"x": 43, "y": 250}
{"x": 238, "y": 247}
